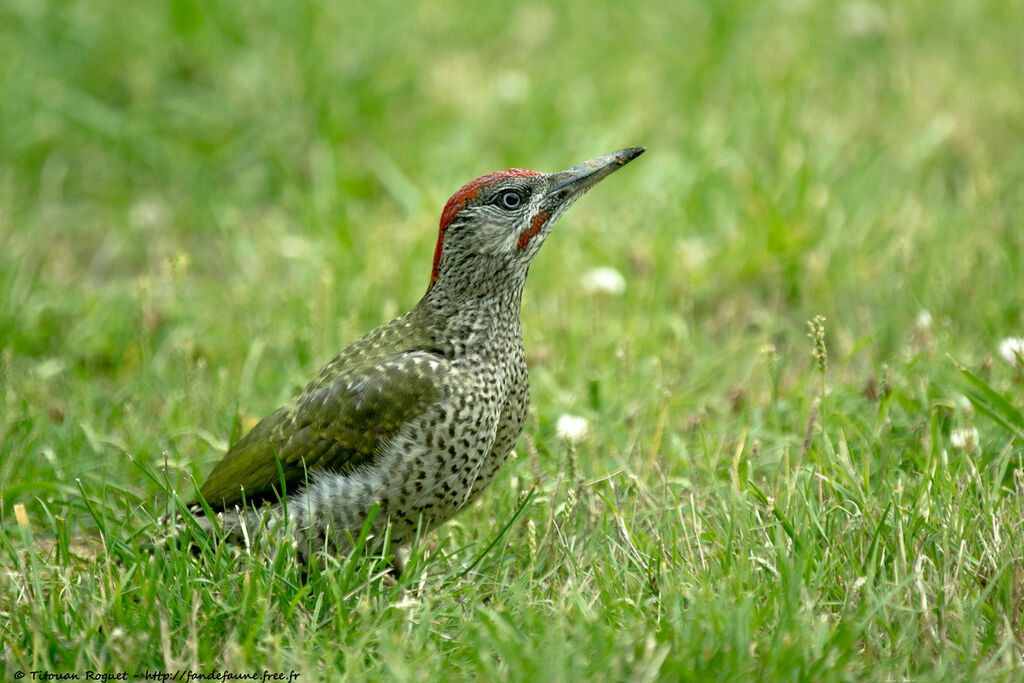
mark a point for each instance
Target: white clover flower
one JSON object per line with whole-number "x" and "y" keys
{"x": 964, "y": 439}
{"x": 862, "y": 19}
{"x": 965, "y": 405}
{"x": 923, "y": 320}
{"x": 1010, "y": 348}
{"x": 148, "y": 213}
{"x": 693, "y": 252}
{"x": 406, "y": 603}
{"x": 512, "y": 85}
{"x": 603, "y": 280}
{"x": 572, "y": 428}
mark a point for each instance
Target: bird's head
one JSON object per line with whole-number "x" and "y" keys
{"x": 496, "y": 224}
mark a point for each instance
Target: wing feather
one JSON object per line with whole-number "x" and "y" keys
{"x": 336, "y": 424}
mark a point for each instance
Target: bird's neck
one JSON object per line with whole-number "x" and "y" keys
{"x": 474, "y": 319}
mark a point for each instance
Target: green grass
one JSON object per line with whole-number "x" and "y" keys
{"x": 201, "y": 202}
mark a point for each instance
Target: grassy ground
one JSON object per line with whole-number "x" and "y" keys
{"x": 200, "y": 202}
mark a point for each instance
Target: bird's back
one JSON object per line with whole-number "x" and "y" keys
{"x": 356, "y": 402}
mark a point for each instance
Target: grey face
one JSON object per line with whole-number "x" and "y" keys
{"x": 506, "y": 216}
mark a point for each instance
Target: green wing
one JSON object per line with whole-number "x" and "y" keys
{"x": 339, "y": 422}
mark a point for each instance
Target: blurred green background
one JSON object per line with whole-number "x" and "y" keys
{"x": 237, "y": 189}
{"x": 200, "y": 202}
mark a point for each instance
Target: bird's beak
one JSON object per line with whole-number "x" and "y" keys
{"x": 573, "y": 182}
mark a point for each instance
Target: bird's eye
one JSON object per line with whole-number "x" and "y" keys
{"x": 510, "y": 199}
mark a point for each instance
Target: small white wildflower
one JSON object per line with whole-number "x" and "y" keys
{"x": 965, "y": 405}
{"x": 964, "y": 439}
{"x": 148, "y": 213}
{"x": 407, "y": 603}
{"x": 693, "y": 252}
{"x": 295, "y": 247}
{"x": 604, "y": 280}
{"x": 923, "y": 320}
{"x": 572, "y": 428}
{"x": 1010, "y": 348}
{"x": 862, "y": 19}
{"x": 512, "y": 85}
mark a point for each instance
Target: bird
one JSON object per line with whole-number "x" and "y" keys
{"x": 412, "y": 420}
